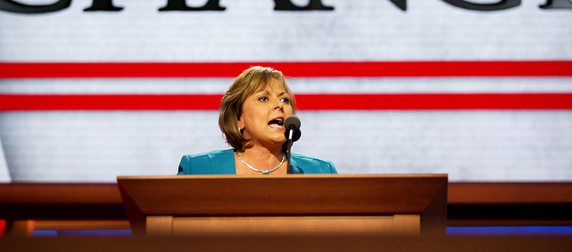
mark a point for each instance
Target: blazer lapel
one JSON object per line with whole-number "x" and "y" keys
{"x": 294, "y": 167}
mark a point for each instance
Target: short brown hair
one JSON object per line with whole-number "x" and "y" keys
{"x": 247, "y": 83}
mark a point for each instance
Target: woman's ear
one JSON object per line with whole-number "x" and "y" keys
{"x": 240, "y": 125}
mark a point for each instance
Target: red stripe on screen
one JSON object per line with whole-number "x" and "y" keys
{"x": 498, "y": 101}
{"x": 290, "y": 69}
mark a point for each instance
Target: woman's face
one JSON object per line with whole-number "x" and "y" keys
{"x": 263, "y": 114}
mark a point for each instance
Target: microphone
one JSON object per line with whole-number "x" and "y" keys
{"x": 292, "y": 125}
{"x": 292, "y": 133}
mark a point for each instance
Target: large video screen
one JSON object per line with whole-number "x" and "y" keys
{"x": 480, "y": 90}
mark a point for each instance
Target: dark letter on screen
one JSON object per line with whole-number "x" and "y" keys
{"x": 12, "y": 6}
{"x": 289, "y": 6}
{"x": 103, "y": 5}
{"x": 402, "y": 4}
{"x": 180, "y": 5}
{"x": 501, "y": 5}
{"x": 557, "y": 4}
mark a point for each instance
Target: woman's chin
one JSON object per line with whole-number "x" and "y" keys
{"x": 276, "y": 141}
{"x": 279, "y": 140}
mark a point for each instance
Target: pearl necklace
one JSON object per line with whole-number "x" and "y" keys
{"x": 265, "y": 172}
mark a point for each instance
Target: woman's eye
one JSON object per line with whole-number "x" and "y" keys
{"x": 285, "y": 100}
{"x": 263, "y": 99}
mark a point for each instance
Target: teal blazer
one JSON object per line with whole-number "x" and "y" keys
{"x": 222, "y": 162}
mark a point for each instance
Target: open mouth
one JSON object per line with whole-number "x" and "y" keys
{"x": 277, "y": 122}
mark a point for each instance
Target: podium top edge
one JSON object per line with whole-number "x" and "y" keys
{"x": 297, "y": 176}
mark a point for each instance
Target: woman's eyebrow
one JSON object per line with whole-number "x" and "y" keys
{"x": 268, "y": 92}
{"x": 263, "y": 91}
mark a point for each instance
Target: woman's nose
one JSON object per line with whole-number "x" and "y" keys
{"x": 279, "y": 105}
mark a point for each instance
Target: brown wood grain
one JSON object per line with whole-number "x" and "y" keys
{"x": 59, "y": 193}
{"x": 283, "y": 195}
{"x": 287, "y": 195}
{"x": 510, "y": 193}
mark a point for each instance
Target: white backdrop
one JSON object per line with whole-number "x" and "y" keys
{"x": 469, "y": 145}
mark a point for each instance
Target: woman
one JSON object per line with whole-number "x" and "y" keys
{"x": 252, "y": 114}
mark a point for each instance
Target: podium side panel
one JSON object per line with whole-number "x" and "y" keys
{"x": 292, "y": 225}
{"x": 407, "y": 224}
{"x": 159, "y": 225}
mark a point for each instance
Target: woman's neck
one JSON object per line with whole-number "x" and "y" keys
{"x": 259, "y": 156}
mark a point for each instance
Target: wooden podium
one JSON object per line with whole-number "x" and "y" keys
{"x": 285, "y": 205}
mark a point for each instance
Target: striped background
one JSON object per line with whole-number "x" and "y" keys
{"x": 482, "y": 96}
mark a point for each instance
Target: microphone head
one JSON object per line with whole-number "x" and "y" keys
{"x": 292, "y": 123}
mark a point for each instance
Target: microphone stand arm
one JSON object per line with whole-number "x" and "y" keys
{"x": 289, "y": 143}
{"x": 288, "y": 151}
